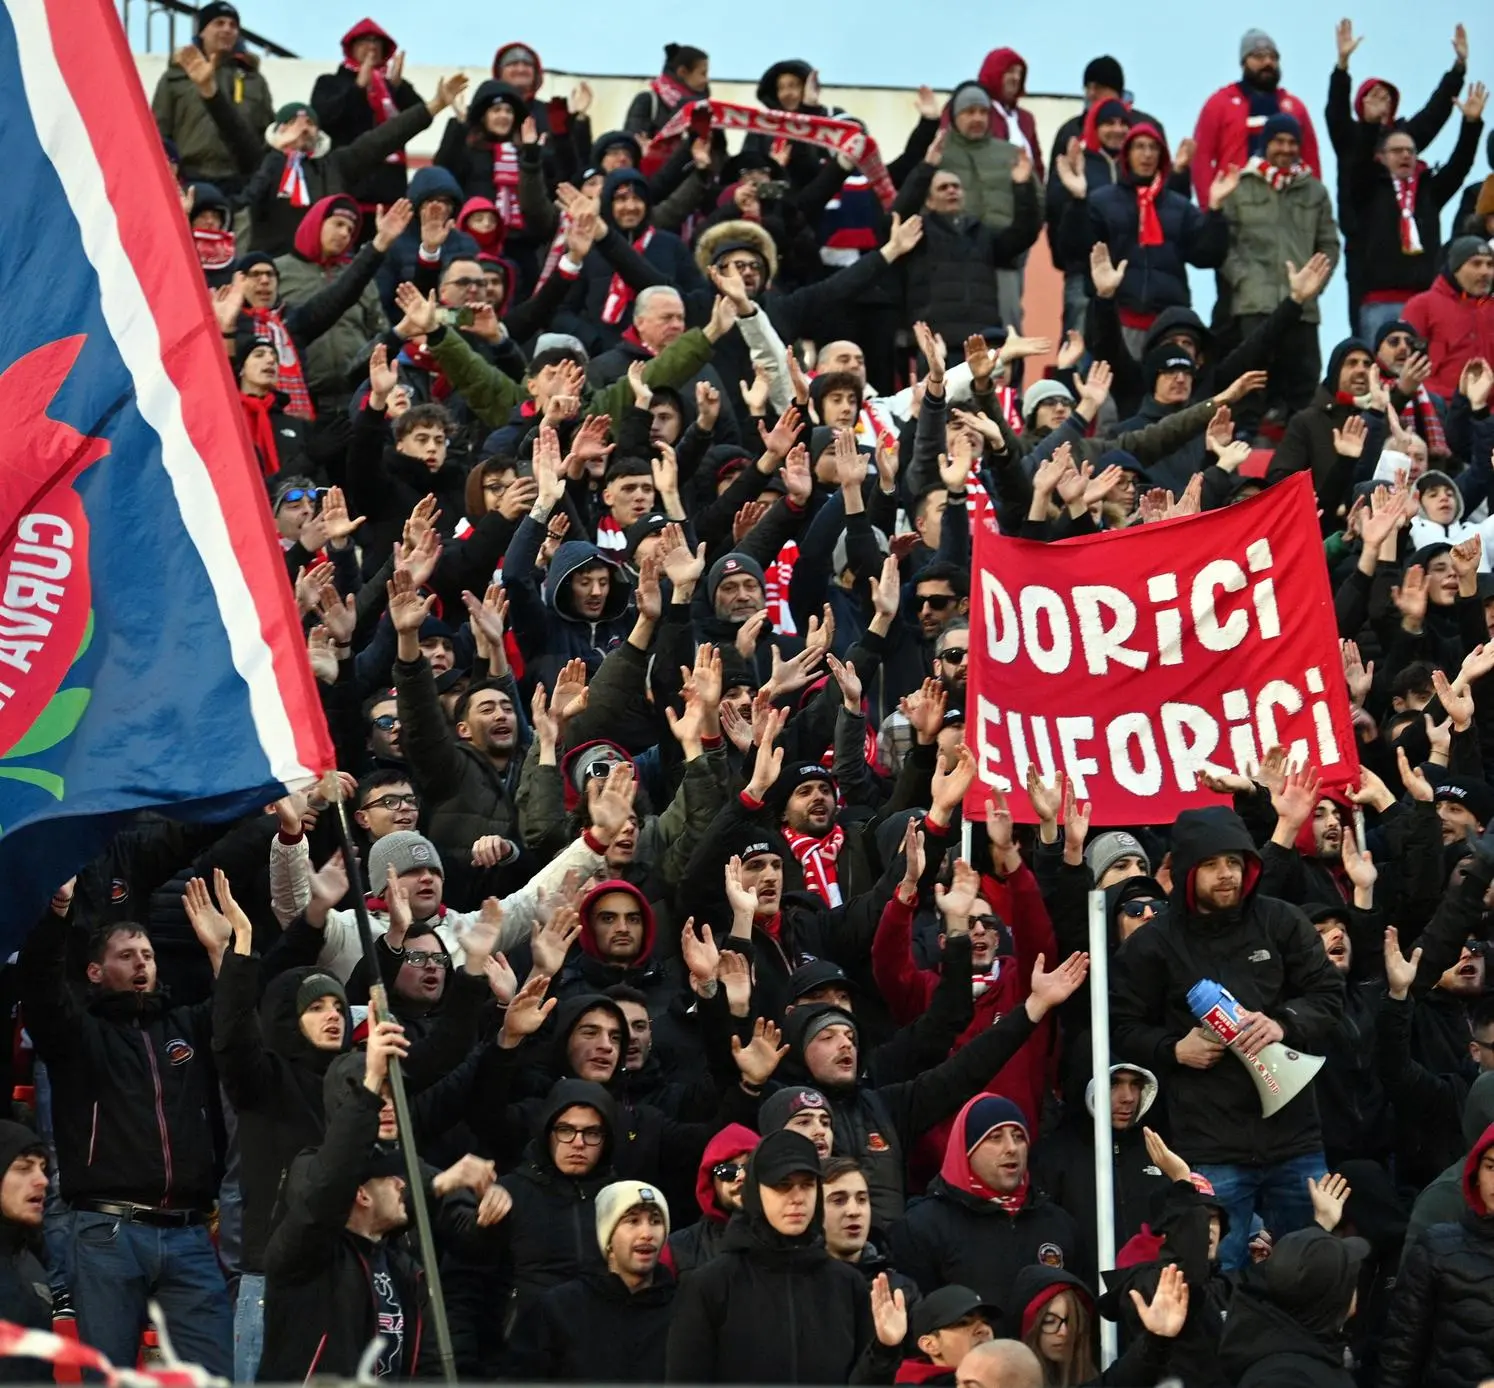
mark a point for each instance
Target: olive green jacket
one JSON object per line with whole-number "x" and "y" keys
{"x": 1267, "y": 228}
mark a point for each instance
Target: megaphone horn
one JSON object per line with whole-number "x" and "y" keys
{"x": 1279, "y": 1073}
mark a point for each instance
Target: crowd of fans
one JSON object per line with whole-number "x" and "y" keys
{"x": 626, "y": 485}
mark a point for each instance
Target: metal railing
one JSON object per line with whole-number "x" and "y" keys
{"x": 146, "y": 12}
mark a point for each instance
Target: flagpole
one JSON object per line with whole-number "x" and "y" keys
{"x": 1099, "y": 1029}
{"x": 379, "y": 1006}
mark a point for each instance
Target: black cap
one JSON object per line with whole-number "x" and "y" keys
{"x": 818, "y": 973}
{"x": 947, "y": 1306}
{"x": 642, "y": 528}
{"x": 1475, "y": 796}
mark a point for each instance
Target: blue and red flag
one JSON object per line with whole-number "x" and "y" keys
{"x": 151, "y": 655}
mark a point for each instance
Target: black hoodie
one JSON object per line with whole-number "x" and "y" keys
{"x": 25, "y": 1298}
{"x": 273, "y": 1077}
{"x": 772, "y": 1307}
{"x": 1268, "y": 955}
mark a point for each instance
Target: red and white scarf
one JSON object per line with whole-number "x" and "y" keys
{"x": 672, "y": 93}
{"x": 215, "y": 249}
{"x": 817, "y": 861}
{"x": 826, "y": 132}
{"x": 777, "y": 577}
{"x": 506, "y": 185}
{"x": 292, "y": 381}
{"x": 1421, "y": 417}
{"x": 293, "y": 179}
{"x": 1150, "y": 233}
{"x": 556, "y": 252}
{"x": 1278, "y": 178}
{"x": 380, "y": 101}
{"x": 257, "y": 411}
{"x": 619, "y": 293}
{"x": 1405, "y": 196}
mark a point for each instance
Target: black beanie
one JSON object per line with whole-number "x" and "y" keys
{"x": 1105, "y": 71}
{"x": 1112, "y": 108}
{"x": 216, "y": 9}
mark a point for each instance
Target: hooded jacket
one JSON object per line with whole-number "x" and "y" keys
{"x": 1424, "y": 531}
{"x": 467, "y": 150}
{"x": 1442, "y": 1201}
{"x": 1308, "y": 442}
{"x": 1064, "y": 1167}
{"x": 958, "y": 1233}
{"x": 593, "y": 1329}
{"x": 1457, "y": 328}
{"x": 400, "y": 261}
{"x": 698, "y": 1243}
{"x": 775, "y": 1308}
{"x": 1440, "y": 1331}
{"x": 1156, "y": 276}
{"x": 566, "y": 632}
{"x": 25, "y": 1296}
{"x": 273, "y": 1076}
{"x": 303, "y": 273}
{"x": 1268, "y": 955}
{"x": 345, "y": 111}
{"x": 587, "y": 971}
{"x": 993, "y": 69}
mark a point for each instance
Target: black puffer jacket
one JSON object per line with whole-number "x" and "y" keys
{"x": 1268, "y": 955}
{"x": 1440, "y": 1332}
{"x": 592, "y": 1329}
{"x": 273, "y": 1077}
{"x": 775, "y": 1308}
{"x": 1264, "y": 1347}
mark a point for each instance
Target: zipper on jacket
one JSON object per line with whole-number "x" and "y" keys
{"x": 316, "y": 1358}
{"x": 93, "y": 1133}
{"x": 155, "y": 1079}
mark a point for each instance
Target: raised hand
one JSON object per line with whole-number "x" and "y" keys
{"x": 390, "y": 222}
{"x": 699, "y": 952}
{"x": 889, "y": 1312}
{"x": 1167, "y": 1312}
{"x": 1050, "y": 989}
{"x": 1416, "y": 784}
{"x": 759, "y": 1057}
{"x": 1105, "y": 276}
{"x": 1307, "y": 283}
{"x": 780, "y": 440}
{"x": 956, "y": 901}
{"x": 1411, "y": 598}
{"x": 530, "y": 1009}
{"x": 1328, "y": 1199}
{"x": 1400, "y": 972}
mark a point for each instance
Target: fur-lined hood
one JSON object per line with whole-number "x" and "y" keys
{"x": 714, "y": 240}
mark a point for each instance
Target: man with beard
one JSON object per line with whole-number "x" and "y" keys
{"x": 951, "y": 660}
{"x": 1398, "y": 350}
{"x": 718, "y": 1192}
{"x": 468, "y": 774}
{"x": 1217, "y": 924}
{"x": 1311, "y": 856}
{"x": 809, "y": 828}
{"x": 1464, "y": 806}
{"x": 1232, "y": 125}
{"x": 1321, "y": 438}
{"x": 1453, "y": 315}
{"x": 617, "y": 946}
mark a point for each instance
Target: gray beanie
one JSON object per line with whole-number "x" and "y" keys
{"x": 319, "y": 985}
{"x": 1107, "y": 848}
{"x": 405, "y": 851}
{"x": 839, "y": 561}
{"x": 1038, "y": 391}
{"x": 966, "y": 95}
{"x": 1254, "y": 40}
{"x": 1462, "y": 249}
{"x": 734, "y": 563}
{"x": 546, "y": 341}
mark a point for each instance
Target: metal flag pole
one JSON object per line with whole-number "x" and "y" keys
{"x": 379, "y": 1006}
{"x": 1099, "y": 1030}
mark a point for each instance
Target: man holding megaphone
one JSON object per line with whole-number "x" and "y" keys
{"x": 1262, "y": 987}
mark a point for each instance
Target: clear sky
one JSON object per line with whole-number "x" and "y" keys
{"x": 1174, "y": 53}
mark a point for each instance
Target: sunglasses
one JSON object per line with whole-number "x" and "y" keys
{"x": 1140, "y": 907}
{"x": 301, "y": 494}
{"x": 393, "y": 802}
{"x": 953, "y": 655}
{"x": 421, "y": 957}
{"x": 385, "y": 722}
{"x": 986, "y": 922}
{"x": 728, "y": 1171}
{"x": 1398, "y": 340}
{"x": 938, "y": 601}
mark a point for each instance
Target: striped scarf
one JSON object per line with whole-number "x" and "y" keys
{"x": 1277, "y": 178}
{"x": 620, "y": 294}
{"x": 380, "y": 101}
{"x": 1421, "y": 417}
{"x": 1405, "y": 196}
{"x": 293, "y": 180}
{"x": 267, "y": 323}
{"x": 817, "y": 861}
{"x": 506, "y": 185}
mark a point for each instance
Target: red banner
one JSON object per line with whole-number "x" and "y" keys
{"x": 1133, "y": 660}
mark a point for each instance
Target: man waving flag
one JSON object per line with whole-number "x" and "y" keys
{"x": 151, "y": 655}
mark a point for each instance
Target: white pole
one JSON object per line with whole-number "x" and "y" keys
{"x": 1099, "y": 1028}
{"x": 966, "y": 838}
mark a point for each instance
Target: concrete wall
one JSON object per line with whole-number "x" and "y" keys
{"x": 888, "y": 112}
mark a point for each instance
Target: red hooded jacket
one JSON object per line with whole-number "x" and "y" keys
{"x": 308, "y": 242}
{"x": 1470, "y": 1172}
{"x": 1457, "y": 327}
{"x": 992, "y": 69}
{"x": 650, "y": 927}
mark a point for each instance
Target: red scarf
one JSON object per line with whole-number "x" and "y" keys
{"x": 292, "y": 375}
{"x": 1146, "y": 205}
{"x": 619, "y": 293}
{"x": 817, "y": 861}
{"x": 672, "y": 93}
{"x": 1277, "y": 178}
{"x": 380, "y": 101}
{"x": 1420, "y": 417}
{"x": 257, "y": 410}
{"x": 293, "y": 180}
{"x": 506, "y": 185}
{"x": 419, "y": 356}
{"x": 1405, "y": 196}
{"x": 1010, "y": 1203}
{"x": 215, "y": 249}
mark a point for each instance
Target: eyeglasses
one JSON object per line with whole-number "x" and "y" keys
{"x": 1052, "y": 1323}
{"x": 953, "y": 655}
{"x": 1138, "y": 908}
{"x": 393, "y": 802}
{"x": 420, "y": 958}
{"x": 385, "y": 723}
{"x": 1484, "y": 1045}
{"x": 469, "y": 282}
{"x": 568, "y": 1133}
{"x": 938, "y": 601}
{"x": 300, "y": 494}
{"x": 728, "y": 1171}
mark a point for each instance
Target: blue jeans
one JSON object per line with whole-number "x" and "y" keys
{"x": 118, "y": 1266}
{"x": 1373, "y": 317}
{"x": 248, "y": 1326}
{"x": 1278, "y": 1193}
